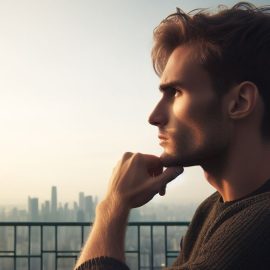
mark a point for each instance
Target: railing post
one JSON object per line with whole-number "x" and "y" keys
{"x": 139, "y": 246}
{"x": 29, "y": 246}
{"x": 15, "y": 244}
{"x": 41, "y": 247}
{"x": 56, "y": 245}
{"x": 166, "y": 245}
{"x": 152, "y": 249}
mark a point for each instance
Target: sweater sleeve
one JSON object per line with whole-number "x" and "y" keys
{"x": 102, "y": 263}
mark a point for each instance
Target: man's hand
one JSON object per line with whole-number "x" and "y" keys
{"x": 137, "y": 178}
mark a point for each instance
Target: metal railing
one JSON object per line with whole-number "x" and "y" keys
{"x": 56, "y": 245}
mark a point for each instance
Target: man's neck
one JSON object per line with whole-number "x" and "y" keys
{"x": 244, "y": 169}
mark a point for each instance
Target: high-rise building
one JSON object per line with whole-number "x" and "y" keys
{"x": 81, "y": 201}
{"x": 89, "y": 208}
{"x": 80, "y": 216}
{"x": 45, "y": 211}
{"x": 75, "y": 206}
{"x": 54, "y": 202}
{"x": 33, "y": 209}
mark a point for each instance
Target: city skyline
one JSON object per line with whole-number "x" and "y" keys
{"x": 83, "y": 210}
{"x": 53, "y": 209}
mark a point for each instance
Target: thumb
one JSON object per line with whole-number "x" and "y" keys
{"x": 168, "y": 175}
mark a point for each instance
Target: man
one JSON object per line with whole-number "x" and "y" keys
{"x": 214, "y": 112}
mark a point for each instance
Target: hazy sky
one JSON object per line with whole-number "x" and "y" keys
{"x": 77, "y": 87}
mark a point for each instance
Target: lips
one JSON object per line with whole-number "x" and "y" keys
{"x": 162, "y": 137}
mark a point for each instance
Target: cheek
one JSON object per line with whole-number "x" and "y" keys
{"x": 187, "y": 109}
{"x": 185, "y": 136}
{"x": 185, "y": 115}
{"x": 180, "y": 108}
{"x": 190, "y": 123}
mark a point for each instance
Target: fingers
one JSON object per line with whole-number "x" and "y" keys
{"x": 127, "y": 156}
{"x": 141, "y": 165}
{"x": 154, "y": 168}
{"x": 151, "y": 163}
{"x": 167, "y": 176}
{"x": 162, "y": 191}
{"x": 154, "y": 165}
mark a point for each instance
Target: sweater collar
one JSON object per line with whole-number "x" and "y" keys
{"x": 264, "y": 188}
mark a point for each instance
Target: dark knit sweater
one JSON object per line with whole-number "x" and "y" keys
{"x": 232, "y": 235}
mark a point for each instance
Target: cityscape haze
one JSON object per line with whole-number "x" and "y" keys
{"x": 77, "y": 86}
{"x": 83, "y": 210}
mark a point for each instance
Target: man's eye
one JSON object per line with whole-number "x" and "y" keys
{"x": 174, "y": 92}
{"x": 177, "y": 93}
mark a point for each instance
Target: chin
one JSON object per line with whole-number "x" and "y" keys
{"x": 169, "y": 160}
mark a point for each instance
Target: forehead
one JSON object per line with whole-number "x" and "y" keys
{"x": 183, "y": 66}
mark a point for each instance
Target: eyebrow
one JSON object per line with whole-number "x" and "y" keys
{"x": 166, "y": 86}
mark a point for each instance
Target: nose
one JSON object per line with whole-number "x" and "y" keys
{"x": 158, "y": 117}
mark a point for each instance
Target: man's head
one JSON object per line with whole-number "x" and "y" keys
{"x": 223, "y": 56}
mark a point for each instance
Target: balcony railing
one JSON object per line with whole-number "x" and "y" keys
{"x": 55, "y": 246}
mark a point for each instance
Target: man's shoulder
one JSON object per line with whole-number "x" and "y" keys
{"x": 258, "y": 205}
{"x": 206, "y": 206}
{"x": 252, "y": 213}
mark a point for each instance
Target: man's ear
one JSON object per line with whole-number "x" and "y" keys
{"x": 243, "y": 100}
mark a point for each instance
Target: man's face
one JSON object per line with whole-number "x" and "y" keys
{"x": 190, "y": 117}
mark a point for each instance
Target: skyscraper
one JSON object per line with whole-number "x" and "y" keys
{"x": 89, "y": 208}
{"x": 33, "y": 209}
{"x": 54, "y": 202}
{"x": 81, "y": 201}
{"x": 45, "y": 210}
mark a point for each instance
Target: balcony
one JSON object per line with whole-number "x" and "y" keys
{"x": 55, "y": 246}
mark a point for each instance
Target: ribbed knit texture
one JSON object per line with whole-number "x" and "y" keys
{"x": 228, "y": 235}
{"x": 222, "y": 236}
{"x": 103, "y": 263}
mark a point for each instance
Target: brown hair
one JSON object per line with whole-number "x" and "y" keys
{"x": 233, "y": 45}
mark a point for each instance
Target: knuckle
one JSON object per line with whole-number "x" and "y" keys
{"x": 127, "y": 155}
{"x": 137, "y": 156}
